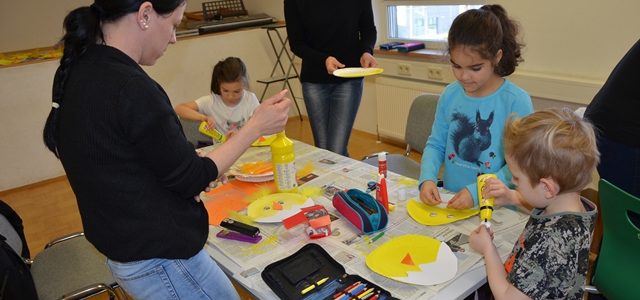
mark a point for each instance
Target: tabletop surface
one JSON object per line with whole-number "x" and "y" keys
{"x": 329, "y": 171}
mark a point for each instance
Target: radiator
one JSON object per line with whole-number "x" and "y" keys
{"x": 393, "y": 100}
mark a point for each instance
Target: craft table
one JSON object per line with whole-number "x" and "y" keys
{"x": 244, "y": 262}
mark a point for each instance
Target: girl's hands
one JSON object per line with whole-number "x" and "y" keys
{"x": 461, "y": 200}
{"x": 332, "y": 64}
{"x": 211, "y": 123}
{"x": 429, "y": 193}
{"x": 367, "y": 60}
{"x": 481, "y": 239}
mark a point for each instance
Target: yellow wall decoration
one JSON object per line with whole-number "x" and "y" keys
{"x": 415, "y": 259}
{"x": 435, "y": 215}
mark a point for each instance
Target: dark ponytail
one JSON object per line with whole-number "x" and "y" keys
{"x": 82, "y": 28}
{"x": 488, "y": 30}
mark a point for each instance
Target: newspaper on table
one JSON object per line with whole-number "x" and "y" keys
{"x": 332, "y": 172}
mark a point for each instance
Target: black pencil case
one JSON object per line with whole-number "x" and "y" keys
{"x": 362, "y": 210}
{"x": 312, "y": 274}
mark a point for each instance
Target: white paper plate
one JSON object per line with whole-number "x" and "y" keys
{"x": 357, "y": 72}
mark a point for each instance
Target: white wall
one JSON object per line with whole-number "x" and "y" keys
{"x": 27, "y": 24}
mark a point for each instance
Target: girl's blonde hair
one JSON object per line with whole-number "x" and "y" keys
{"x": 553, "y": 143}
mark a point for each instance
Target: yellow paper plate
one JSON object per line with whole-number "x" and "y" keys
{"x": 435, "y": 215}
{"x": 264, "y": 140}
{"x": 415, "y": 259}
{"x": 357, "y": 72}
{"x": 276, "y": 207}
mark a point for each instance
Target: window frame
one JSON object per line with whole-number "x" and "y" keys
{"x": 429, "y": 44}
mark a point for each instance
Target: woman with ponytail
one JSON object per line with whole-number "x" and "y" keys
{"x": 133, "y": 172}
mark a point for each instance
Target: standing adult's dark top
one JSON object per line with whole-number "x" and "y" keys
{"x": 614, "y": 112}
{"x": 329, "y": 35}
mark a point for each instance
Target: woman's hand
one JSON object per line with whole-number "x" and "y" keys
{"x": 367, "y": 60}
{"x": 272, "y": 114}
{"x": 429, "y": 193}
{"x": 461, "y": 200}
{"x": 332, "y": 64}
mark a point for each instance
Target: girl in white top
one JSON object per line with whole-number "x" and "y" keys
{"x": 229, "y": 105}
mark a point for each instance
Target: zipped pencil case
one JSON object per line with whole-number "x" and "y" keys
{"x": 312, "y": 274}
{"x": 361, "y": 209}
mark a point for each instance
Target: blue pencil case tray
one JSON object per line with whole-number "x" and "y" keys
{"x": 362, "y": 210}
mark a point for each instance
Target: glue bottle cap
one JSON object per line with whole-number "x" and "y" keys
{"x": 382, "y": 156}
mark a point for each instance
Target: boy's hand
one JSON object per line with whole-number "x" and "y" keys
{"x": 462, "y": 200}
{"x": 502, "y": 194}
{"x": 332, "y": 64}
{"x": 481, "y": 239}
{"x": 429, "y": 193}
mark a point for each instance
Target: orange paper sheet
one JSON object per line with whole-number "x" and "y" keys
{"x": 232, "y": 197}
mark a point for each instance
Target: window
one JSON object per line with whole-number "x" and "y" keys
{"x": 419, "y": 22}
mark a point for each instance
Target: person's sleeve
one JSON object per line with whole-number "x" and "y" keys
{"x": 201, "y": 102}
{"x": 296, "y": 34}
{"x": 368, "y": 32}
{"x": 554, "y": 261}
{"x": 253, "y": 103}
{"x": 152, "y": 128}
{"x": 523, "y": 106}
{"x": 433, "y": 153}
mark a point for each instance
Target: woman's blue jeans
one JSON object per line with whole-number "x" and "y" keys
{"x": 620, "y": 165}
{"x": 198, "y": 277}
{"x": 332, "y": 109}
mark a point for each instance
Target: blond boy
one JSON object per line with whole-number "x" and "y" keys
{"x": 551, "y": 154}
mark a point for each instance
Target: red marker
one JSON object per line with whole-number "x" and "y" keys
{"x": 382, "y": 164}
{"x": 381, "y": 192}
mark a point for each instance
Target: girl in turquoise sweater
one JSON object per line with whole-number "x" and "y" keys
{"x": 471, "y": 113}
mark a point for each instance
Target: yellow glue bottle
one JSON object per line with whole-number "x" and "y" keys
{"x": 284, "y": 169}
{"x": 486, "y": 204}
{"x": 212, "y": 132}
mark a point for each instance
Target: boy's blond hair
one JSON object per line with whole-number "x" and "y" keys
{"x": 553, "y": 143}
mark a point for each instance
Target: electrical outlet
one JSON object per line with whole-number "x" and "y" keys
{"x": 435, "y": 73}
{"x": 404, "y": 69}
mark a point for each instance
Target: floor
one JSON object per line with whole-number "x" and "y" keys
{"x": 49, "y": 210}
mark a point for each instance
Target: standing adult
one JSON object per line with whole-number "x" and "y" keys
{"x": 614, "y": 112}
{"x": 329, "y": 35}
{"x": 129, "y": 164}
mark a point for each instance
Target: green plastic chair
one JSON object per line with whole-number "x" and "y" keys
{"x": 617, "y": 271}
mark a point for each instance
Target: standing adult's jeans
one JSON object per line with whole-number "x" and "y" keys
{"x": 332, "y": 109}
